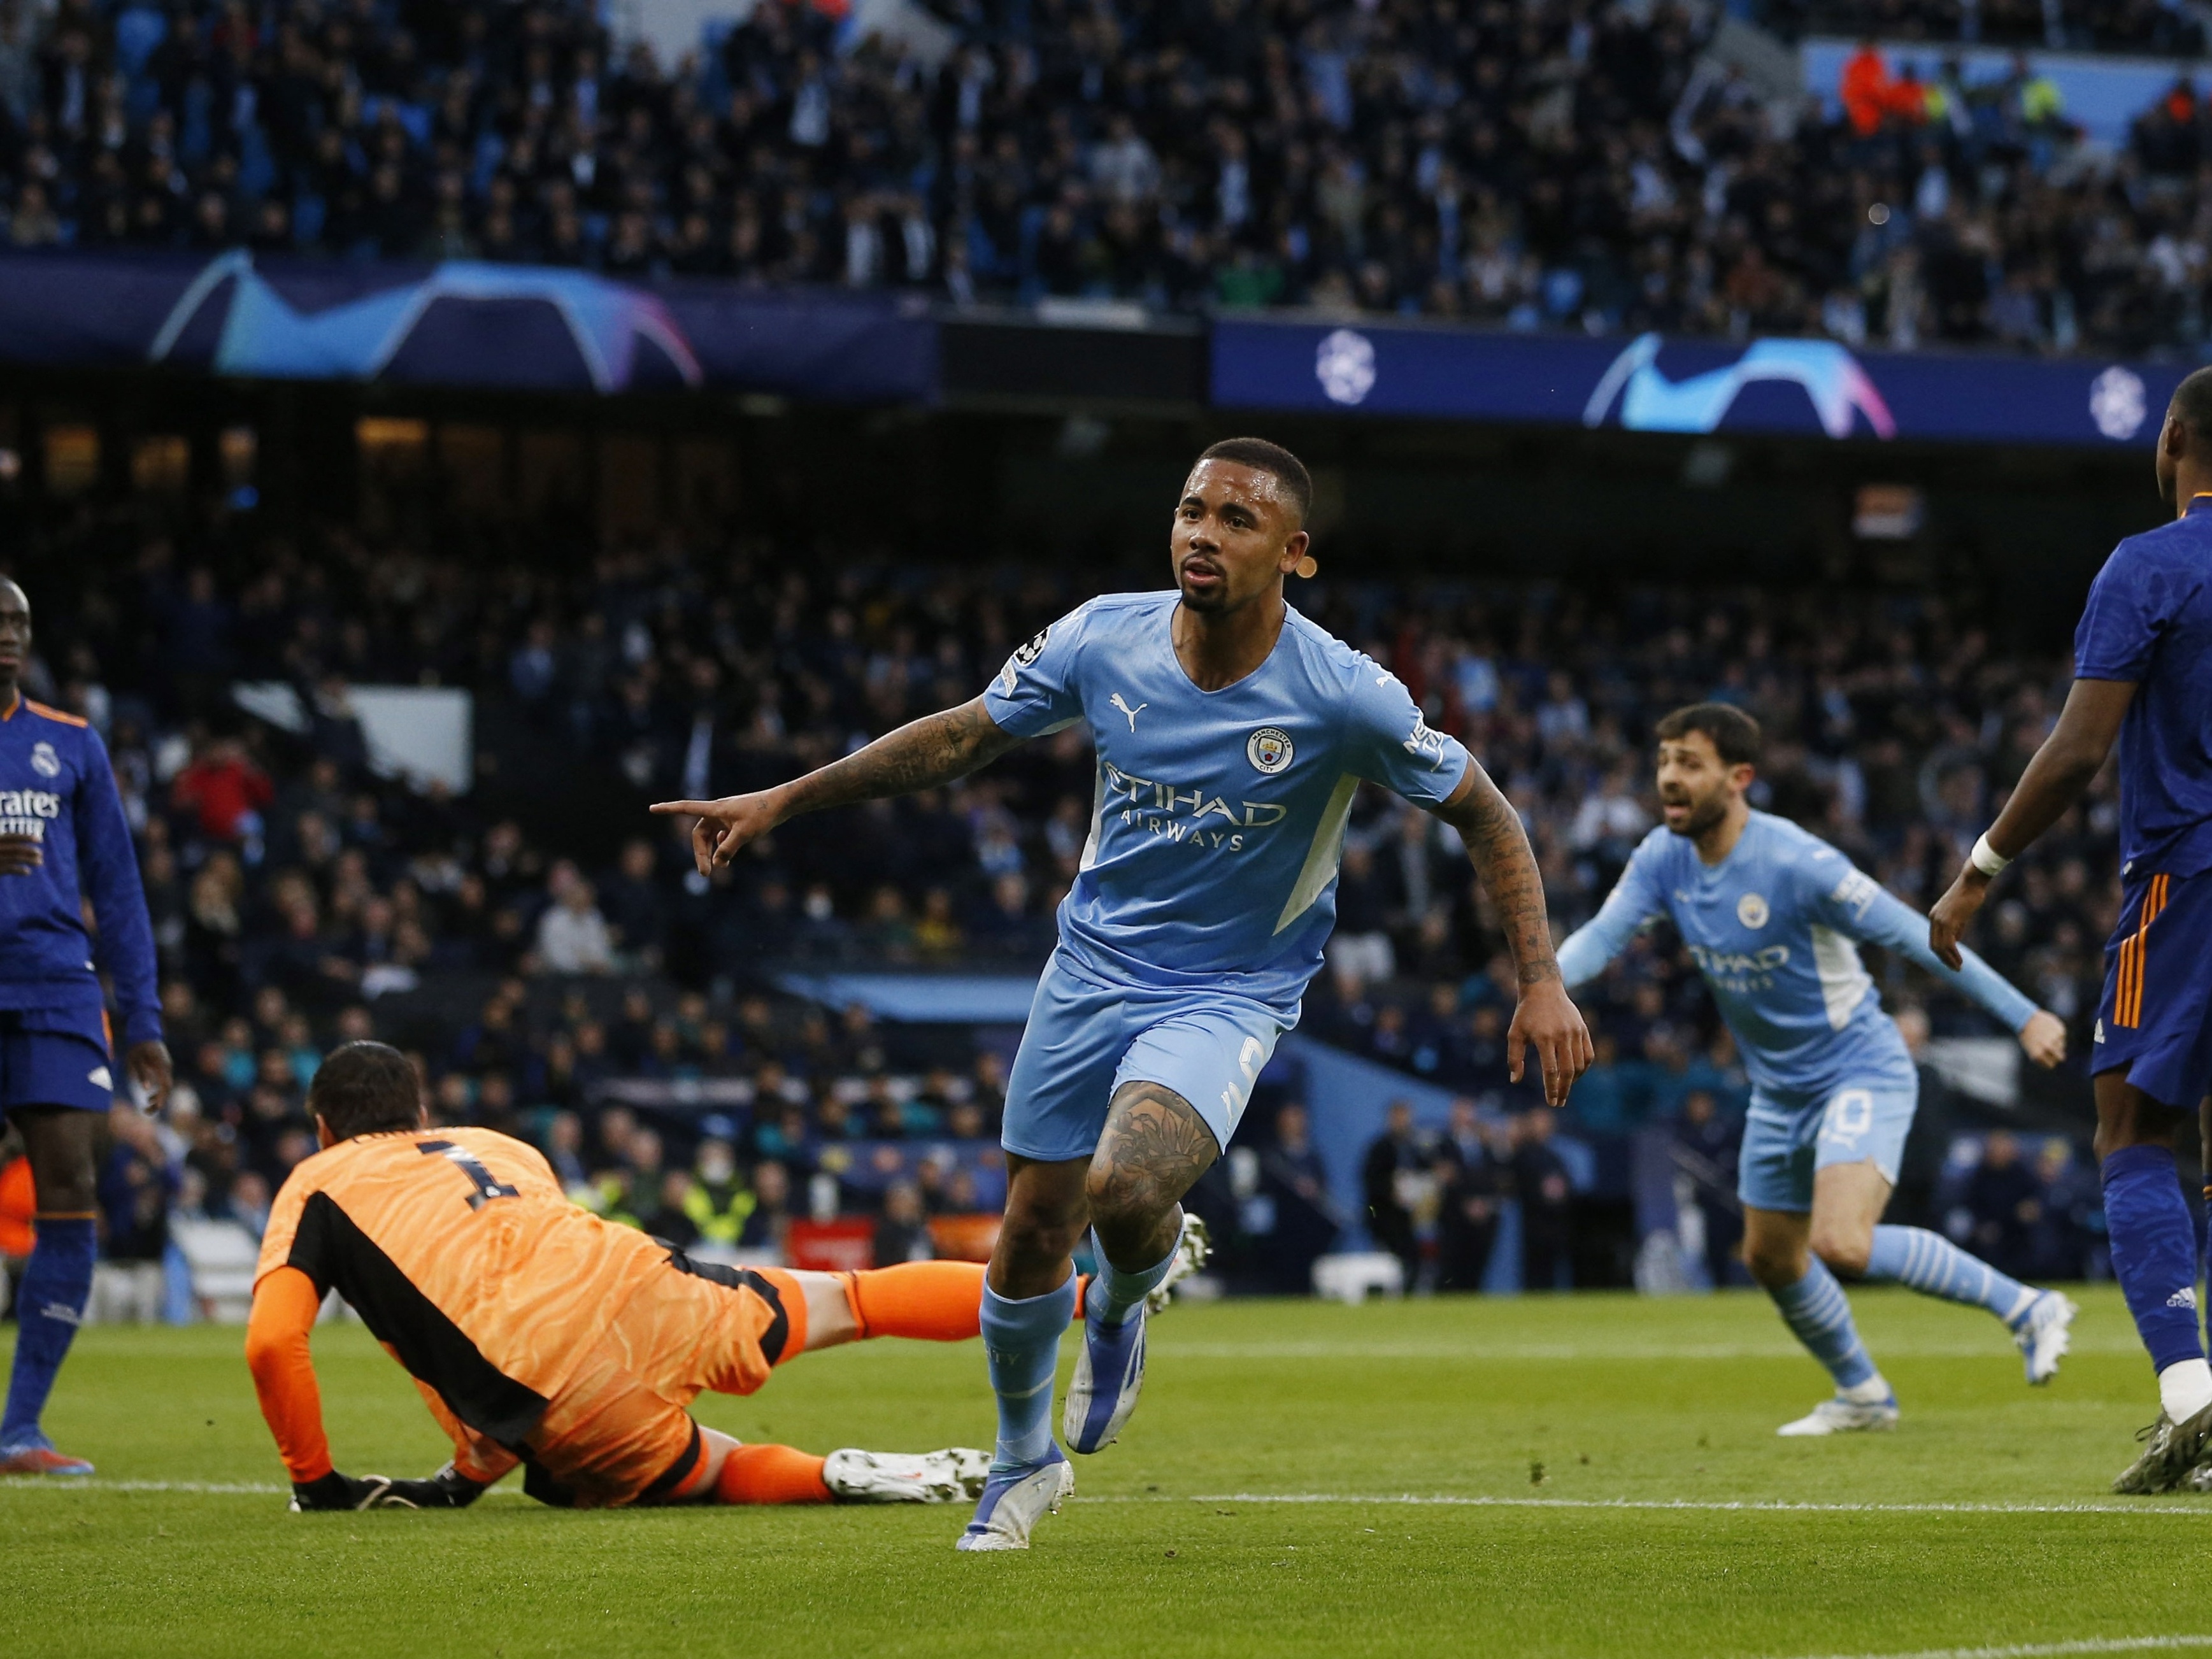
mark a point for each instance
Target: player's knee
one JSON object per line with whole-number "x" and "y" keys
{"x": 68, "y": 1190}
{"x": 1775, "y": 1263}
{"x": 1120, "y": 1207}
{"x": 1844, "y": 1249}
{"x": 1036, "y": 1232}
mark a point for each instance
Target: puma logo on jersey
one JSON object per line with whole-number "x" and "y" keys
{"x": 1118, "y": 703}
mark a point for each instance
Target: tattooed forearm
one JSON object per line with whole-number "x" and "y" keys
{"x": 1503, "y": 860}
{"x": 920, "y": 755}
{"x": 1152, "y": 1150}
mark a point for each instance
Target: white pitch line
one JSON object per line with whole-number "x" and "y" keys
{"x": 1419, "y": 1500}
{"x": 94, "y": 1483}
{"x": 1445, "y": 1500}
{"x": 217, "y": 1488}
{"x": 2040, "y": 1650}
{"x": 1538, "y": 1352}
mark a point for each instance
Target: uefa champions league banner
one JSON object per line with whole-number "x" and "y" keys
{"x": 461, "y": 323}
{"x": 1650, "y": 384}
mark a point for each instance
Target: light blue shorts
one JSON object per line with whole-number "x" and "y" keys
{"x": 1085, "y": 1040}
{"x": 1784, "y": 1145}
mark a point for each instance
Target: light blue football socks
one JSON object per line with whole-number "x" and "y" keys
{"x": 1116, "y": 1295}
{"x": 1021, "y": 1347}
{"x": 1816, "y": 1311}
{"x": 1934, "y": 1265}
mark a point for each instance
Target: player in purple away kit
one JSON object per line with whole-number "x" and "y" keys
{"x": 63, "y": 839}
{"x": 2143, "y": 673}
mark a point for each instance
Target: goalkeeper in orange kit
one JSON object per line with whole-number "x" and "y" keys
{"x": 541, "y": 1335}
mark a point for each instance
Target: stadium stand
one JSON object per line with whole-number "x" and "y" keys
{"x": 2146, "y": 27}
{"x": 564, "y": 975}
{"x": 1599, "y": 167}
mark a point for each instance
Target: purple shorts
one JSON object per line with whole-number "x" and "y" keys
{"x": 2155, "y": 1015}
{"x": 53, "y": 1067}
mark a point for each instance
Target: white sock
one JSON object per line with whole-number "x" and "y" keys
{"x": 1872, "y": 1391}
{"x": 2184, "y": 1388}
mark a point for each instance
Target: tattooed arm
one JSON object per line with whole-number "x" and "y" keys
{"x": 1546, "y": 1018}
{"x": 920, "y": 755}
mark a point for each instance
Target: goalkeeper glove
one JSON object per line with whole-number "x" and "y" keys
{"x": 343, "y": 1491}
{"x": 448, "y": 1489}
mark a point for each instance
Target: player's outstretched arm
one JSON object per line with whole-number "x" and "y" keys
{"x": 1545, "y": 1018}
{"x": 1867, "y": 912}
{"x": 1636, "y": 898}
{"x": 920, "y": 755}
{"x": 2061, "y": 770}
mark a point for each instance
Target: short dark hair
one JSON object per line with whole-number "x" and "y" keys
{"x": 361, "y": 1088}
{"x": 2192, "y": 402}
{"x": 1264, "y": 456}
{"x": 1736, "y": 736}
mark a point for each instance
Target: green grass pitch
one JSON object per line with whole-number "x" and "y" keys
{"x": 1585, "y": 1475}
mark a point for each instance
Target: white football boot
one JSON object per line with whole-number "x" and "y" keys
{"x": 2044, "y": 1335}
{"x": 1014, "y": 1502}
{"x": 937, "y": 1477}
{"x": 1193, "y": 1249}
{"x": 1841, "y": 1416}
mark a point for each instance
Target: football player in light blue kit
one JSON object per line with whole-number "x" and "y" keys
{"x": 1773, "y": 917}
{"x": 1231, "y": 735}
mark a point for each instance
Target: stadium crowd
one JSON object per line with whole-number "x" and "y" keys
{"x": 1559, "y": 163}
{"x": 300, "y": 898}
{"x": 2150, "y": 28}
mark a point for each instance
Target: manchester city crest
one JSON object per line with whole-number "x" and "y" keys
{"x": 1750, "y": 910}
{"x": 1269, "y": 749}
{"x": 44, "y": 762}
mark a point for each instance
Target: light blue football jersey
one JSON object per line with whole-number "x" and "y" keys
{"x": 1218, "y": 817}
{"x": 1775, "y": 928}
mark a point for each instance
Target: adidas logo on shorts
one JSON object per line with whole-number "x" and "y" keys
{"x": 2184, "y": 1297}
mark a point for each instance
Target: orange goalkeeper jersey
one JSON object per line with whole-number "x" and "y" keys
{"x": 461, "y": 1254}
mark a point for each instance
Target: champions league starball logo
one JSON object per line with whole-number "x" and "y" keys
{"x": 264, "y": 334}
{"x": 1841, "y": 391}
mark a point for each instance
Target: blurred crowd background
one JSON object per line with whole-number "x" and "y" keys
{"x": 1586, "y": 164}
{"x": 562, "y": 972}
{"x": 546, "y": 949}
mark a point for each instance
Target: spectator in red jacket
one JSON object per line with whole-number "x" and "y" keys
{"x": 1867, "y": 89}
{"x": 224, "y": 790}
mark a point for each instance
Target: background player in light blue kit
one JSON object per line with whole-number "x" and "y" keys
{"x": 2143, "y": 673}
{"x": 1231, "y": 735}
{"x": 63, "y": 839}
{"x": 1772, "y": 917}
